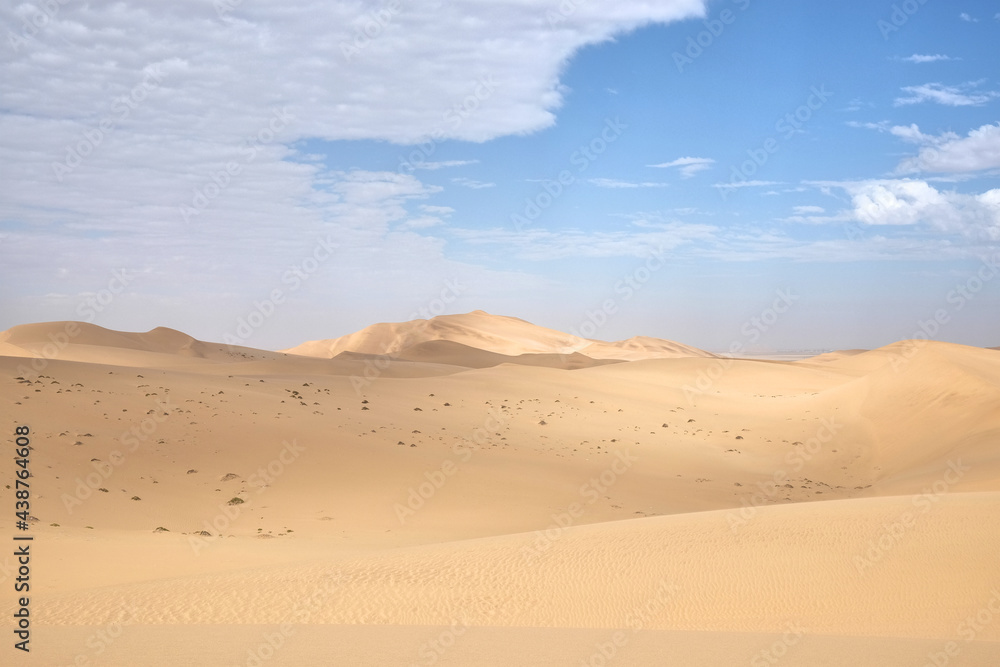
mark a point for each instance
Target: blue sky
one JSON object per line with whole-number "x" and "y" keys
{"x": 273, "y": 175}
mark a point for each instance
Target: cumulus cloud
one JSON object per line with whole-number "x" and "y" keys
{"x": 950, "y": 153}
{"x": 912, "y": 202}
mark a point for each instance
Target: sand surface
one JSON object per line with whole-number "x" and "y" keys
{"x": 475, "y": 490}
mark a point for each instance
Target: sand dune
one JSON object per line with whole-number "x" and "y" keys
{"x": 498, "y": 334}
{"x": 526, "y": 496}
{"x": 833, "y": 356}
{"x": 810, "y": 564}
{"x": 456, "y": 354}
{"x": 641, "y": 347}
{"x": 80, "y": 341}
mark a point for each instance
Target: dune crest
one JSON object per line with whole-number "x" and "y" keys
{"x": 492, "y": 333}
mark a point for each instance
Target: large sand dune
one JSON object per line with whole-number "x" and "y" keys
{"x": 503, "y": 335}
{"x": 477, "y": 490}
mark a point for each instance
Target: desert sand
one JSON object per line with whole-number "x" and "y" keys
{"x": 477, "y": 490}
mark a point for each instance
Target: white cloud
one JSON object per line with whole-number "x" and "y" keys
{"x": 948, "y": 152}
{"x": 421, "y": 72}
{"x": 431, "y": 166}
{"x": 816, "y": 215}
{"x": 967, "y": 18}
{"x": 881, "y": 126}
{"x": 433, "y": 216}
{"x": 614, "y": 183}
{"x": 422, "y": 222}
{"x": 379, "y": 187}
{"x": 857, "y": 104}
{"x": 912, "y": 134}
{"x": 893, "y": 202}
{"x": 911, "y": 202}
{"x": 545, "y": 245}
{"x": 437, "y": 210}
{"x": 953, "y": 96}
{"x": 745, "y": 184}
{"x": 472, "y": 183}
{"x": 481, "y": 70}
{"x": 689, "y": 166}
{"x": 920, "y": 59}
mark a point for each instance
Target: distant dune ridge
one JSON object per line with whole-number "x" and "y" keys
{"x": 472, "y": 340}
{"x": 492, "y": 333}
{"x": 81, "y": 341}
{"x": 476, "y": 489}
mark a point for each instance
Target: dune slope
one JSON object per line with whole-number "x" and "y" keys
{"x": 692, "y": 502}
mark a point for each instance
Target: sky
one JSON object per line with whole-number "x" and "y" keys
{"x": 778, "y": 175}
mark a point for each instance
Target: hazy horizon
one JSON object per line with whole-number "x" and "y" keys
{"x": 747, "y": 343}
